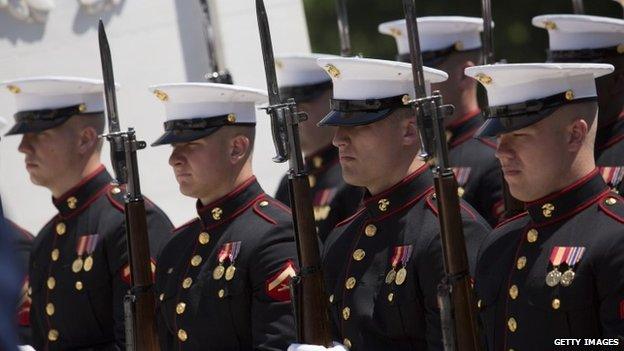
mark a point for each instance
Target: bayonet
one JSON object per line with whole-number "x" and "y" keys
{"x": 218, "y": 73}
{"x": 488, "y": 37}
{"x": 578, "y": 7}
{"x": 343, "y": 28}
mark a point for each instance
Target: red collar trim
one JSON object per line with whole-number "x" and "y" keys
{"x": 239, "y": 189}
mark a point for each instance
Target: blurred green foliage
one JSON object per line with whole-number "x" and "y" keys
{"x": 515, "y": 39}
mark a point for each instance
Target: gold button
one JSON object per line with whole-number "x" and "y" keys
{"x": 331, "y": 298}
{"x": 186, "y": 283}
{"x": 161, "y": 296}
{"x": 610, "y": 201}
{"x": 264, "y": 203}
{"x": 620, "y": 49}
{"x": 390, "y": 297}
{"x": 221, "y": 293}
{"x": 532, "y": 235}
{"x": 217, "y": 212}
{"x": 50, "y": 308}
{"x": 556, "y": 303}
{"x": 513, "y": 292}
{"x": 346, "y": 342}
{"x": 61, "y": 228}
{"x": 196, "y": 260}
{"x": 350, "y": 283}
{"x": 51, "y": 283}
{"x": 78, "y": 285}
{"x": 346, "y": 313}
{"x": 359, "y": 254}
{"x": 569, "y": 95}
{"x": 53, "y": 335}
{"x": 317, "y": 161}
{"x": 312, "y": 180}
{"x": 180, "y": 307}
{"x": 115, "y": 190}
{"x": 55, "y": 254}
{"x": 512, "y": 324}
{"x": 204, "y": 238}
{"x": 370, "y": 230}
{"x": 182, "y": 335}
{"x": 521, "y": 263}
{"x": 72, "y": 202}
{"x": 383, "y": 205}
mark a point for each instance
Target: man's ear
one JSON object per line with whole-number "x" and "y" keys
{"x": 410, "y": 128}
{"x": 87, "y": 140}
{"x": 577, "y": 134}
{"x": 240, "y": 146}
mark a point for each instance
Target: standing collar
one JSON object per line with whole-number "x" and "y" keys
{"x": 230, "y": 205}
{"x": 82, "y": 194}
{"x": 322, "y": 159}
{"x": 396, "y": 197}
{"x": 463, "y": 128}
{"x": 568, "y": 201}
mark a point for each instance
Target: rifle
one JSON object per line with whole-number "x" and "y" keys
{"x": 308, "y": 292}
{"x": 139, "y": 303}
{"x": 343, "y": 28}
{"x": 217, "y": 74}
{"x": 455, "y": 297}
{"x": 577, "y": 6}
{"x": 512, "y": 205}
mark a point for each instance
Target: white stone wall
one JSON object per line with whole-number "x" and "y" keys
{"x": 152, "y": 41}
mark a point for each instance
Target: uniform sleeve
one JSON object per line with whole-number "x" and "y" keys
{"x": 610, "y": 285}
{"x": 273, "y": 264}
{"x": 430, "y": 273}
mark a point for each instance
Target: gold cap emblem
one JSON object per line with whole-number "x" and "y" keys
{"x": 71, "y": 202}
{"x": 161, "y": 95}
{"x": 383, "y": 204}
{"x": 620, "y": 49}
{"x": 396, "y": 32}
{"x": 550, "y": 25}
{"x": 14, "y": 89}
{"x": 216, "y": 213}
{"x": 459, "y": 45}
{"x": 332, "y": 70}
{"x": 484, "y": 78}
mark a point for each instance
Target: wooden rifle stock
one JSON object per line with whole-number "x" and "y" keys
{"x": 309, "y": 292}
{"x": 145, "y": 336}
{"x": 457, "y": 280}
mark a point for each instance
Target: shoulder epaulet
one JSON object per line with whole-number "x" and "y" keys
{"x": 512, "y": 219}
{"x": 613, "y": 205}
{"x": 268, "y": 208}
{"x": 432, "y": 203}
{"x": 488, "y": 143}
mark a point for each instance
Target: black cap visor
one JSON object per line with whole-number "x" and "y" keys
{"x": 509, "y": 118}
{"x": 36, "y": 121}
{"x": 362, "y": 112}
{"x": 185, "y": 130}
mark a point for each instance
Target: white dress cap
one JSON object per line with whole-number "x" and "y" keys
{"x": 357, "y": 78}
{"x": 437, "y": 32}
{"x": 516, "y": 83}
{"x": 185, "y": 101}
{"x": 299, "y": 69}
{"x": 51, "y": 92}
{"x": 578, "y": 32}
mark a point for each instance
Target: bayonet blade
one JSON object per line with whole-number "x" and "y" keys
{"x": 343, "y": 28}
{"x": 578, "y": 7}
{"x": 267, "y": 50}
{"x": 414, "y": 43}
{"x": 109, "y": 81}
{"x": 488, "y": 39}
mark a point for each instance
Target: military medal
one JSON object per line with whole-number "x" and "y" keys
{"x": 223, "y": 254}
{"x": 575, "y": 254}
{"x": 231, "y": 270}
{"x": 85, "y": 244}
{"x": 88, "y": 263}
{"x": 394, "y": 261}
{"x": 77, "y": 265}
{"x": 612, "y": 175}
{"x": 556, "y": 257}
{"x": 405, "y": 257}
